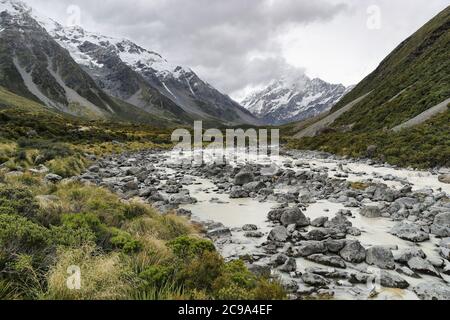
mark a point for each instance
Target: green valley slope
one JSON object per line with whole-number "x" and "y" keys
{"x": 412, "y": 79}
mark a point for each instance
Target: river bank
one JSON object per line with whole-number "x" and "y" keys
{"x": 326, "y": 226}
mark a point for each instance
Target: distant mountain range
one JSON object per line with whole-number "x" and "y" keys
{"x": 91, "y": 75}
{"x": 295, "y": 97}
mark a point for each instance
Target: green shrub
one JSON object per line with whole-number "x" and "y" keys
{"x": 72, "y": 237}
{"x": 187, "y": 247}
{"x": 124, "y": 241}
{"x": 157, "y": 276}
{"x": 201, "y": 272}
{"x": 19, "y": 201}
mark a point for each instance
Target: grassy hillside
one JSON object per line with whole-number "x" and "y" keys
{"x": 412, "y": 79}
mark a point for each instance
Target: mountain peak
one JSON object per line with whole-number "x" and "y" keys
{"x": 293, "y": 97}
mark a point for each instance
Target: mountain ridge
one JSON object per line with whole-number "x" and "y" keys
{"x": 294, "y": 97}
{"x": 114, "y": 72}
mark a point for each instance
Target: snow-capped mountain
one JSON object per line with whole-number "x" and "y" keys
{"x": 102, "y": 56}
{"x": 295, "y": 97}
{"x": 126, "y": 71}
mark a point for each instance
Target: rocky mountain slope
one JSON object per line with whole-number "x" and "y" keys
{"x": 103, "y": 68}
{"x": 293, "y": 98}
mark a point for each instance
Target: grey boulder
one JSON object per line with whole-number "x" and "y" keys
{"x": 380, "y": 257}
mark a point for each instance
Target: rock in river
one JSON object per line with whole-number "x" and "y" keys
{"x": 444, "y": 178}
{"x": 289, "y": 266}
{"x": 353, "y": 252}
{"x": 243, "y": 178}
{"x": 294, "y": 216}
{"x": 370, "y": 212}
{"x": 331, "y": 261}
{"x": 314, "y": 280}
{"x": 380, "y": 257}
{"x": 409, "y": 231}
{"x": 278, "y": 234}
{"x": 432, "y": 291}
{"x": 307, "y": 248}
{"x": 422, "y": 266}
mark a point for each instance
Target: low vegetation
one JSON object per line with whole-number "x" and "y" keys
{"x": 123, "y": 249}
{"x": 423, "y": 146}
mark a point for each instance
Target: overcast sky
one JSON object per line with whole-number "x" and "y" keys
{"x": 239, "y": 45}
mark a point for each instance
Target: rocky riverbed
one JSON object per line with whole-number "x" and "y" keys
{"x": 326, "y": 227}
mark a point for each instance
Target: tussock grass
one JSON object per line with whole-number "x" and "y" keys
{"x": 103, "y": 276}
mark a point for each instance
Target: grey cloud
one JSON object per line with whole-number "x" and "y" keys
{"x": 217, "y": 38}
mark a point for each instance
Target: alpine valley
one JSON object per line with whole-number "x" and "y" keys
{"x": 95, "y": 76}
{"x": 96, "y": 204}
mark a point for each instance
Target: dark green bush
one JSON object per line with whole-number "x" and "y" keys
{"x": 187, "y": 247}
{"x": 19, "y": 201}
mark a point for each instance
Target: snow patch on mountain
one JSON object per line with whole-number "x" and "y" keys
{"x": 295, "y": 97}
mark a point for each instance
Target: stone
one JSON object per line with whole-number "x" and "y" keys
{"x": 278, "y": 234}
{"x": 331, "y": 261}
{"x": 249, "y": 227}
{"x": 220, "y": 232}
{"x": 94, "y": 168}
{"x": 238, "y": 193}
{"x": 53, "y": 178}
{"x": 294, "y": 216}
{"x": 334, "y": 246}
{"x": 289, "y": 266}
{"x": 422, "y": 266}
{"x": 407, "y": 254}
{"x": 444, "y": 178}
{"x": 314, "y": 280}
{"x": 254, "y": 234}
{"x": 319, "y": 222}
{"x": 409, "y": 231}
{"x": 243, "y": 178}
{"x": 353, "y": 252}
{"x": 353, "y": 231}
{"x": 307, "y": 248}
{"x": 370, "y": 212}
{"x": 432, "y": 291}
{"x": 184, "y": 213}
{"x": 380, "y": 257}
{"x": 255, "y": 186}
{"x": 441, "y": 225}
{"x": 180, "y": 199}
{"x": 131, "y": 185}
{"x": 278, "y": 259}
{"x": 389, "y": 280}
{"x": 407, "y": 272}
{"x": 318, "y": 234}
